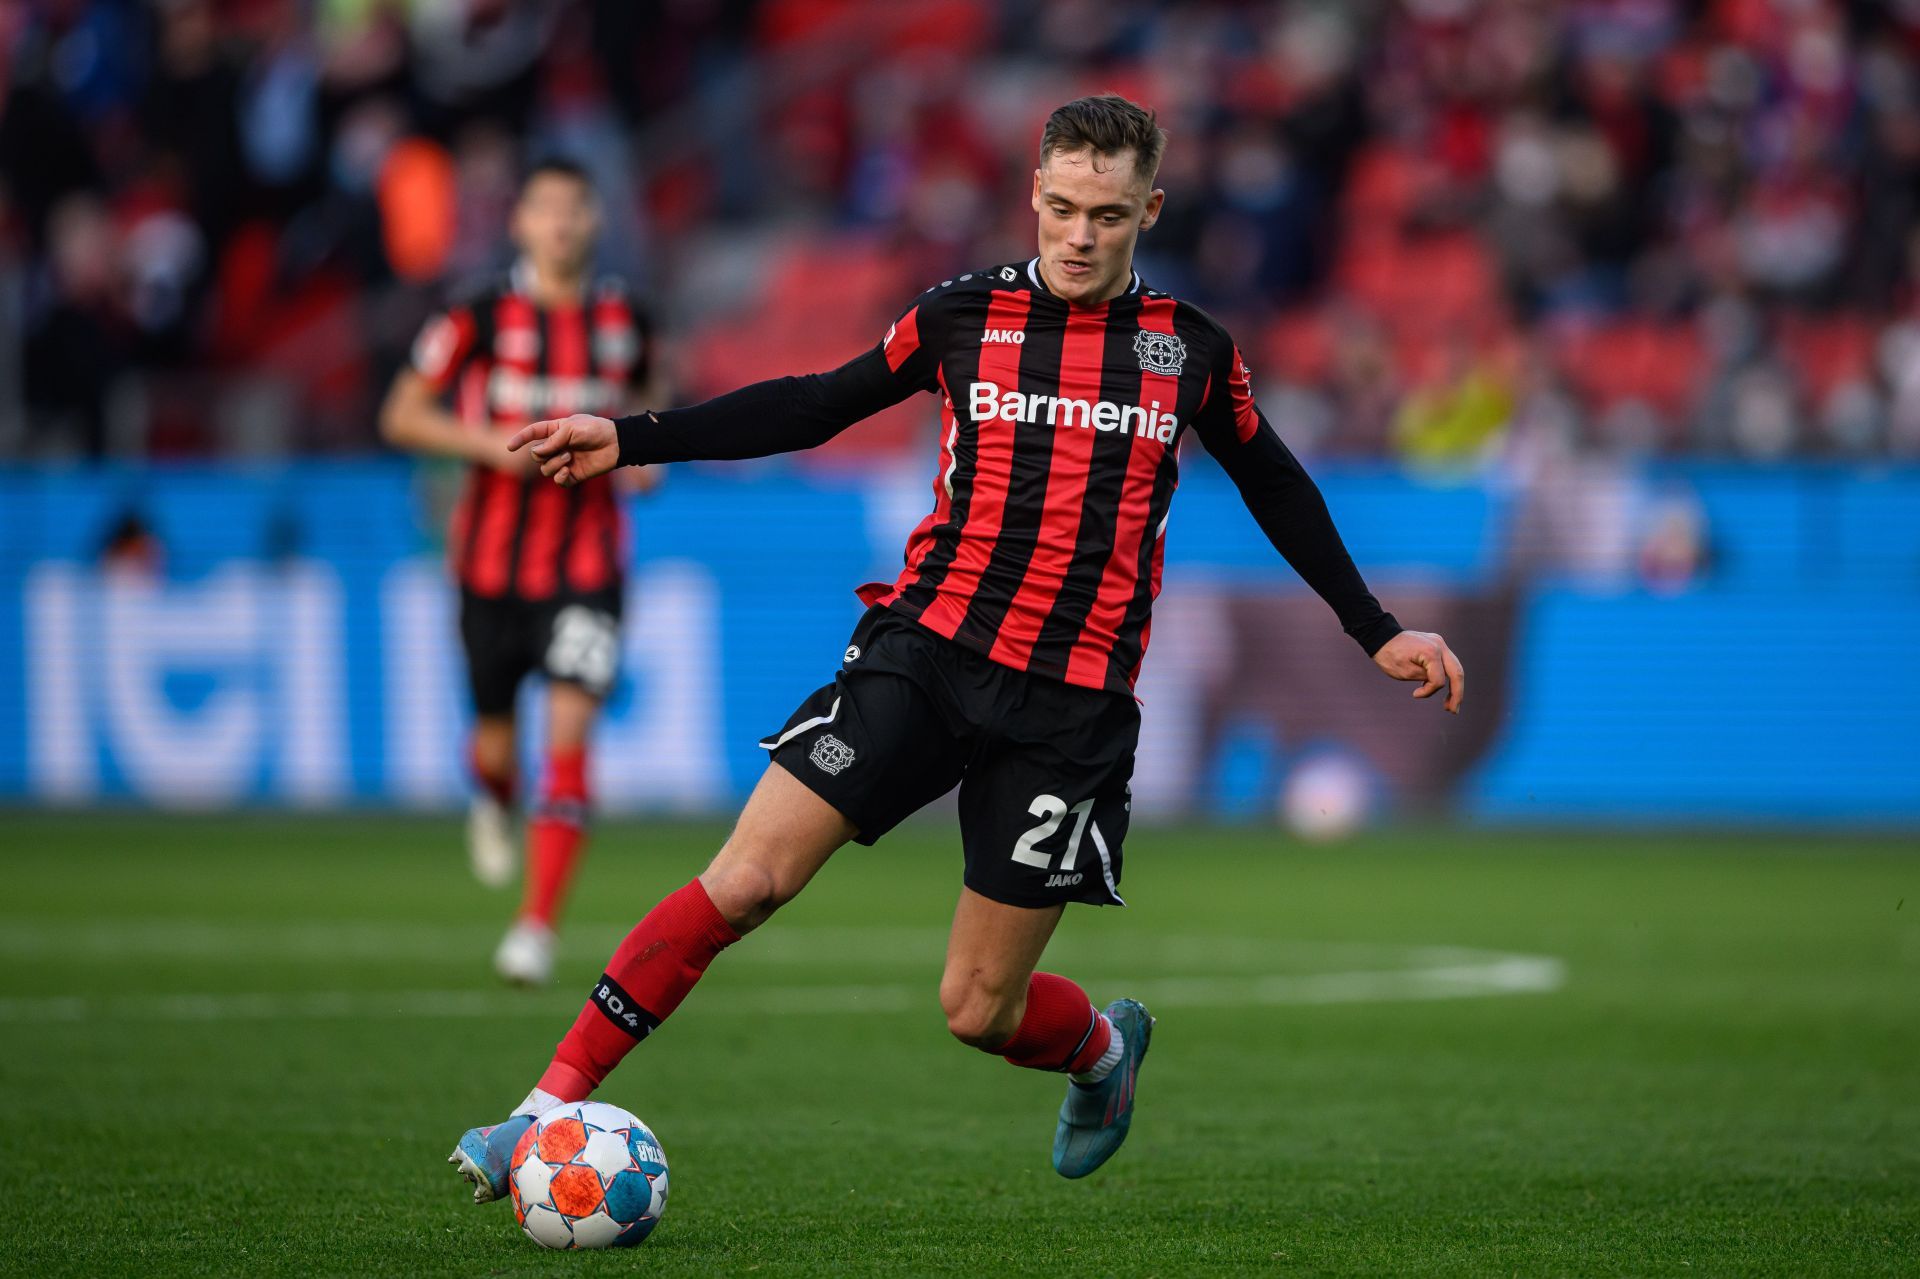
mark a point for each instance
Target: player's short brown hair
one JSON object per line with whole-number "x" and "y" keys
{"x": 1109, "y": 124}
{"x": 556, "y": 166}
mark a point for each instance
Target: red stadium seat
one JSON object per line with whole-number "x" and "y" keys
{"x": 1383, "y": 186}
{"x": 1827, "y": 351}
{"x": 1297, "y": 345}
{"x": 1663, "y": 364}
{"x": 824, "y": 303}
{"x": 949, "y": 27}
{"x": 1440, "y": 277}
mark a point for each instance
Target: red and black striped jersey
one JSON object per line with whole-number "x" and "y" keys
{"x": 507, "y": 361}
{"x": 1059, "y": 455}
{"x": 1058, "y": 462}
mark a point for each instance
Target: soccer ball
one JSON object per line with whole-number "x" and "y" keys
{"x": 588, "y": 1175}
{"x": 1327, "y": 797}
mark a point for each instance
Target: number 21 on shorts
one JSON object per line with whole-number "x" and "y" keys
{"x": 1052, "y": 810}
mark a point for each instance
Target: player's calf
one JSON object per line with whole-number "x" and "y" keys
{"x": 492, "y": 848}
{"x": 556, "y": 836}
{"x": 650, "y": 973}
{"x": 1059, "y": 1029}
{"x": 784, "y": 836}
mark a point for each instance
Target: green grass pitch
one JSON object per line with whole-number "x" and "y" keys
{"x": 245, "y": 1046}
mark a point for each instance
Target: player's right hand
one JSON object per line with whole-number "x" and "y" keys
{"x": 571, "y": 449}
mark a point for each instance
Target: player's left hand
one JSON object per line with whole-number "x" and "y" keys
{"x": 1424, "y": 656}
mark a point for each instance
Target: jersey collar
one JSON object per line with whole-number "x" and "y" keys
{"x": 520, "y": 279}
{"x": 1033, "y": 274}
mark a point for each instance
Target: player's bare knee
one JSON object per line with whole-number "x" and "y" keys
{"x": 986, "y": 1027}
{"x": 977, "y": 1027}
{"x": 977, "y": 1016}
{"x": 493, "y": 747}
{"x": 745, "y": 892}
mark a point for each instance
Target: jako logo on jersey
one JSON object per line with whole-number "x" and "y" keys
{"x": 1160, "y": 352}
{"x": 1062, "y": 881}
{"x": 986, "y": 401}
{"x": 1016, "y": 336}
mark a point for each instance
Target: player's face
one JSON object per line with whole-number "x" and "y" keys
{"x": 1092, "y": 207}
{"x": 555, "y": 222}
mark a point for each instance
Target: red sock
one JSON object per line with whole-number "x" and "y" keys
{"x": 1061, "y": 1029}
{"x": 498, "y": 785}
{"x": 555, "y": 836}
{"x": 648, "y": 976}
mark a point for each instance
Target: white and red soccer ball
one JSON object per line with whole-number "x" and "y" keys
{"x": 588, "y": 1175}
{"x": 1328, "y": 797}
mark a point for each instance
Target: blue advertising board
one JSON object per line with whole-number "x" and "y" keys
{"x": 293, "y": 642}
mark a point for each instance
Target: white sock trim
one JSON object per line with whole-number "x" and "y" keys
{"x": 1116, "y": 1049}
{"x": 537, "y": 1104}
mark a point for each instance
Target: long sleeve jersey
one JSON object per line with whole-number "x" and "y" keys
{"x": 1059, "y": 455}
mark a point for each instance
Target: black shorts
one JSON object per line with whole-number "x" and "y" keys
{"x": 1043, "y": 767}
{"x": 575, "y": 639}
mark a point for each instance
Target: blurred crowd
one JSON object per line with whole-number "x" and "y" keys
{"x": 1446, "y": 231}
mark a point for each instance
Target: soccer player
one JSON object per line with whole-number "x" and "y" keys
{"x": 1003, "y": 657}
{"x": 539, "y": 567}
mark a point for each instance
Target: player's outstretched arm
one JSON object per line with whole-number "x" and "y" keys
{"x": 1287, "y": 505}
{"x": 1424, "y": 656}
{"x": 571, "y": 449}
{"x": 781, "y": 415}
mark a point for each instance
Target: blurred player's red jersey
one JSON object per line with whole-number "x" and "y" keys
{"x": 508, "y": 361}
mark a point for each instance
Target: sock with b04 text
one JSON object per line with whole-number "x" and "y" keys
{"x": 649, "y": 974}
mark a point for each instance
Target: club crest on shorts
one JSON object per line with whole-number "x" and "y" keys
{"x": 1162, "y": 353}
{"x": 830, "y": 754}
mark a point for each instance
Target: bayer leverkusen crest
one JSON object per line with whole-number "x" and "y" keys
{"x": 1160, "y": 352}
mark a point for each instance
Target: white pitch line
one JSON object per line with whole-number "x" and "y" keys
{"x": 1468, "y": 975}
{"x": 371, "y": 943}
{"x": 361, "y": 941}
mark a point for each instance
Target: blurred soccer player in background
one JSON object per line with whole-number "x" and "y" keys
{"x": 1003, "y": 658}
{"x": 540, "y": 568}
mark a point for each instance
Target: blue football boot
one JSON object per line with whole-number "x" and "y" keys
{"x": 1095, "y": 1117}
{"x": 485, "y": 1156}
